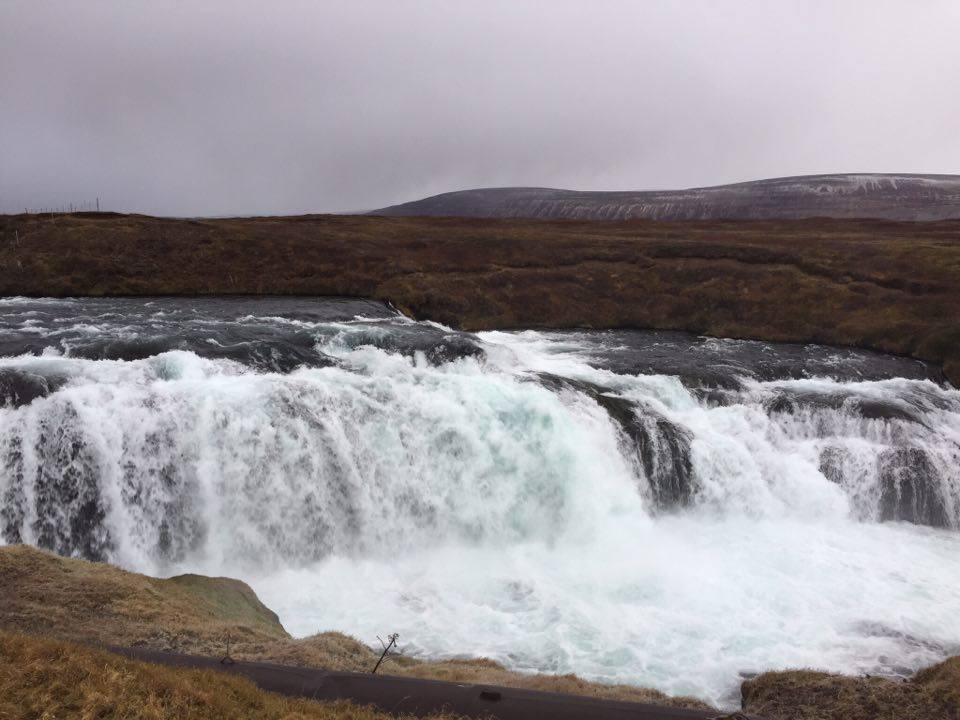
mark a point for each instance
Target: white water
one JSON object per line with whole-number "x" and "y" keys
{"x": 476, "y": 512}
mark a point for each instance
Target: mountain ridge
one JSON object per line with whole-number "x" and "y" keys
{"x": 883, "y": 196}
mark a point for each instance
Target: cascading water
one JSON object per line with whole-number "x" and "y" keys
{"x": 640, "y": 507}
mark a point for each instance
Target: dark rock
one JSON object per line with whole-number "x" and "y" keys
{"x": 874, "y": 409}
{"x": 831, "y": 463}
{"x": 438, "y": 345}
{"x": 716, "y": 397}
{"x": 787, "y": 401}
{"x": 282, "y": 352}
{"x": 782, "y": 403}
{"x": 910, "y": 488}
{"x": 662, "y": 447}
{"x": 272, "y": 356}
{"x": 13, "y": 501}
{"x": 19, "y": 387}
{"x": 664, "y": 450}
{"x": 68, "y": 485}
{"x": 619, "y": 409}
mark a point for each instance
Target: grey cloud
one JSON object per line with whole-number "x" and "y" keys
{"x": 233, "y": 107}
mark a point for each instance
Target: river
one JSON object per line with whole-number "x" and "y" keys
{"x": 633, "y": 506}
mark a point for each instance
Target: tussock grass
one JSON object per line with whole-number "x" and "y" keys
{"x": 931, "y": 694}
{"x": 45, "y": 679}
{"x": 80, "y": 600}
{"x": 332, "y": 650}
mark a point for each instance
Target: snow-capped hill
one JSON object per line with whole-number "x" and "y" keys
{"x": 884, "y": 196}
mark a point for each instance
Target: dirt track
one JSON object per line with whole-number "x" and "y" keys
{"x": 421, "y": 697}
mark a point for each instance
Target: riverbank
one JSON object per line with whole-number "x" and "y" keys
{"x": 889, "y": 286}
{"x": 75, "y": 600}
{"x": 46, "y": 678}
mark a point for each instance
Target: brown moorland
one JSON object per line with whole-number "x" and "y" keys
{"x": 890, "y": 286}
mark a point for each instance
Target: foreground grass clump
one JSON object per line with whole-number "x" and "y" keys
{"x": 74, "y": 599}
{"x": 47, "y": 679}
{"x": 931, "y": 694}
{"x": 80, "y": 600}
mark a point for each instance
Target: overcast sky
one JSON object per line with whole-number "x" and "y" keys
{"x": 227, "y": 107}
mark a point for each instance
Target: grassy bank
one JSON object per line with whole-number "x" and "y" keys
{"x": 74, "y": 599}
{"x": 42, "y": 678}
{"x": 891, "y": 286}
{"x": 931, "y": 694}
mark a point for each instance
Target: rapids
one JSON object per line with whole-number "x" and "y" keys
{"x": 633, "y": 506}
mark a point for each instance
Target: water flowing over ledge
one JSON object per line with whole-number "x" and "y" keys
{"x": 637, "y": 506}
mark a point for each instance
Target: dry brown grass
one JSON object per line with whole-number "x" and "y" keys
{"x": 331, "y": 650}
{"x": 74, "y": 599}
{"x": 891, "y": 286}
{"x": 932, "y": 694}
{"x": 45, "y": 680}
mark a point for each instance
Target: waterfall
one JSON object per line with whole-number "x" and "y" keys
{"x": 589, "y": 502}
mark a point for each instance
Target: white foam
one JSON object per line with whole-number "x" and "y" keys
{"x": 683, "y": 604}
{"x": 478, "y": 513}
